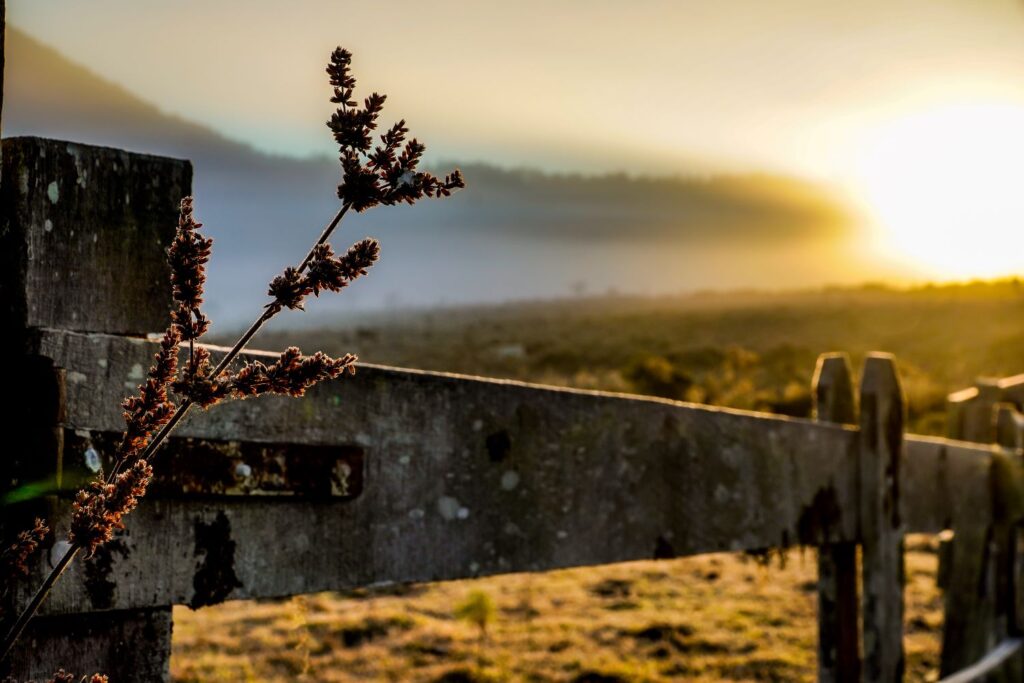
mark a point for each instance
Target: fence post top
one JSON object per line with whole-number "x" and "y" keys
{"x": 880, "y": 375}
{"x": 989, "y": 389}
{"x": 833, "y": 395}
{"x": 831, "y": 364}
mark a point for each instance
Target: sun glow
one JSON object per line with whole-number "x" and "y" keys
{"x": 945, "y": 188}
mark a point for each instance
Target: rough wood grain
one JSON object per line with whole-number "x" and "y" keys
{"x": 882, "y": 411}
{"x": 975, "y": 492}
{"x": 83, "y": 236}
{"x": 981, "y": 593}
{"x": 129, "y": 647}
{"x": 462, "y": 477}
{"x": 970, "y": 596}
{"x": 838, "y": 637}
{"x": 941, "y": 481}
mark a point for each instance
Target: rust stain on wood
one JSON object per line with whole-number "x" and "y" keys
{"x": 190, "y": 467}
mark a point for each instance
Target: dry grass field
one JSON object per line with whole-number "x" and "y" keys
{"x": 709, "y": 618}
{"x": 720, "y": 617}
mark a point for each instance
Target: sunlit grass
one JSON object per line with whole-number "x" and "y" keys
{"x": 710, "y": 618}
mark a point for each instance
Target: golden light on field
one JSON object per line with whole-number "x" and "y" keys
{"x": 945, "y": 187}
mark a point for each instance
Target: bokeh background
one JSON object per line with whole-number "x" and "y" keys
{"x": 641, "y": 148}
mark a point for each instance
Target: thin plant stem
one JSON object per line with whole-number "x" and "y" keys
{"x": 183, "y": 408}
{"x": 239, "y": 345}
{"x": 33, "y": 606}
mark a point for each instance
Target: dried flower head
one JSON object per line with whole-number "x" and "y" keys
{"x": 187, "y": 257}
{"x": 100, "y": 507}
{"x": 289, "y": 289}
{"x": 290, "y": 375}
{"x": 14, "y": 560}
{"x": 326, "y": 272}
{"x": 198, "y": 383}
{"x": 151, "y": 409}
{"x": 383, "y": 175}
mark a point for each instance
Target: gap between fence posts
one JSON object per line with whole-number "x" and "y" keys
{"x": 838, "y": 641}
{"x": 882, "y": 411}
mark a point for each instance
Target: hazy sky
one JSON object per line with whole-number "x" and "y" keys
{"x": 642, "y": 86}
{"x": 914, "y": 109}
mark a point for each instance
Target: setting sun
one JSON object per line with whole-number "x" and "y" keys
{"x": 943, "y": 189}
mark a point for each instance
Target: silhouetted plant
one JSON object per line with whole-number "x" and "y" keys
{"x": 385, "y": 175}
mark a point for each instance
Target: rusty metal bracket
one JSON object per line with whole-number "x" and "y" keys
{"x": 188, "y": 467}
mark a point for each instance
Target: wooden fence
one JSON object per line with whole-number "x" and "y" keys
{"x": 398, "y": 475}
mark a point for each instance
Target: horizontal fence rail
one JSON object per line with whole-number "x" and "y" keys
{"x": 461, "y": 477}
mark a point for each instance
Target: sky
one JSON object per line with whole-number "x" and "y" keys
{"x": 914, "y": 108}
{"x": 643, "y": 86}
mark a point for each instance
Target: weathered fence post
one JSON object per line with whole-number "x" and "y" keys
{"x": 1009, "y": 426}
{"x": 81, "y": 249}
{"x": 979, "y": 557}
{"x": 881, "y": 444}
{"x": 971, "y": 412}
{"x": 838, "y": 642}
{"x": 1008, "y": 511}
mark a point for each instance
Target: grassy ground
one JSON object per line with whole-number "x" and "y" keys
{"x": 719, "y": 617}
{"x": 709, "y": 618}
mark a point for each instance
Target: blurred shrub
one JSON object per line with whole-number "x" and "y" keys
{"x": 657, "y": 376}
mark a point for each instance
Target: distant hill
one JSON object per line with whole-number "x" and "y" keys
{"x": 47, "y": 93}
{"x": 521, "y": 233}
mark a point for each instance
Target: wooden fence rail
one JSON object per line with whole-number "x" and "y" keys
{"x": 399, "y": 475}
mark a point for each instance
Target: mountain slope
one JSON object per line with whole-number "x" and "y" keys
{"x": 48, "y": 93}
{"x": 520, "y": 233}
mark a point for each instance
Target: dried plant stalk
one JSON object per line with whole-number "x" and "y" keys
{"x": 384, "y": 175}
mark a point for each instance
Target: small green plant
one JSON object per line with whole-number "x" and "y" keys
{"x": 478, "y": 609}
